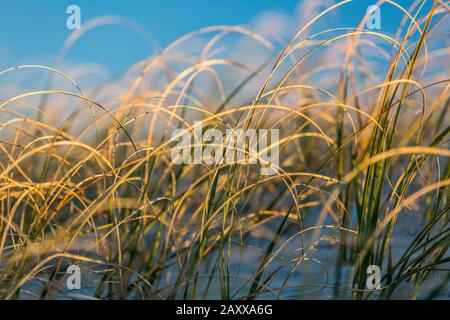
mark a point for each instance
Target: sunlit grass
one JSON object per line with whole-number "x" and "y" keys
{"x": 364, "y": 148}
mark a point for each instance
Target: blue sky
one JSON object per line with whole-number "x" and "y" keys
{"x": 32, "y": 31}
{"x": 36, "y": 28}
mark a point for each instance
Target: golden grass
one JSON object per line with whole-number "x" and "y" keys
{"x": 359, "y": 149}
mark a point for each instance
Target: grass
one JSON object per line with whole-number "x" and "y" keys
{"x": 364, "y": 172}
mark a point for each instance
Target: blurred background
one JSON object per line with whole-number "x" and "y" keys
{"x": 32, "y": 31}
